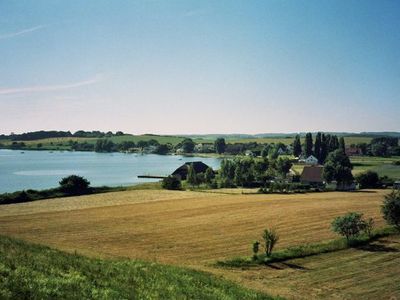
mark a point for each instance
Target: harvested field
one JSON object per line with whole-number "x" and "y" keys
{"x": 184, "y": 228}
{"x": 370, "y": 272}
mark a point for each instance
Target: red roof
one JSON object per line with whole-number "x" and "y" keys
{"x": 312, "y": 174}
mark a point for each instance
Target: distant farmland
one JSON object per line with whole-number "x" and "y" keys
{"x": 62, "y": 143}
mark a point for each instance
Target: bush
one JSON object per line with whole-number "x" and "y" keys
{"x": 349, "y": 225}
{"x": 256, "y": 248}
{"x": 171, "y": 183}
{"x": 270, "y": 238}
{"x": 74, "y": 185}
{"x": 368, "y": 179}
{"x": 391, "y": 209}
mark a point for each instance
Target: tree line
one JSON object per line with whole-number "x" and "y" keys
{"x": 42, "y": 134}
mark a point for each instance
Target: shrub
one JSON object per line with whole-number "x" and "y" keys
{"x": 171, "y": 183}
{"x": 349, "y": 225}
{"x": 391, "y": 209}
{"x": 74, "y": 185}
{"x": 369, "y": 226}
{"x": 256, "y": 248}
{"x": 270, "y": 238}
{"x": 368, "y": 179}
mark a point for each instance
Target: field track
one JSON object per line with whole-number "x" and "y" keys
{"x": 184, "y": 228}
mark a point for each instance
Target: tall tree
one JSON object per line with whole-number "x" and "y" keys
{"x": 333, "y": 143}
{"x": 192, "y": 176}
{"x": 297, "y": 146}
{"x": 338, "y": 167}
{"x": 324, "y": 149}
{"x": 317, "y": 146}
{"x": 342, "y": 145}
{"x": 188, "y": 145}
{"x": 219, "y": 145}
{"x": 308, "y": 146}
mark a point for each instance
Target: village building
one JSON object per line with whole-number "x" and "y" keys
{"x": 311, "y": 160}
{"x": 353, "y": 151}
{"x": 204, "y": 148}
{"x": 281, "y": 151}
{"x": 249, "y": 153}
{"x": 312, "y": 175}
{"x": 182, "y": 171}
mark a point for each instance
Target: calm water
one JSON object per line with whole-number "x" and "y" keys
{"x": 44, "y": 169}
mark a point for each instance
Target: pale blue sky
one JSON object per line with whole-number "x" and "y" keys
{"x": 200, "y": 66}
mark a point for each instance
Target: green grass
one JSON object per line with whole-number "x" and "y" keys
{"x": 306, "y": 250}
{"x": 30, "y": 271}
{"x": 382, "y": 165}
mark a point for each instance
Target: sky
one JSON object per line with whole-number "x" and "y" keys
{"x": 193, "y": 67}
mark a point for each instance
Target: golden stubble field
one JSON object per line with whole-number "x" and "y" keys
{"x": 183, "y": 228}
{"x": 198, "y": 228}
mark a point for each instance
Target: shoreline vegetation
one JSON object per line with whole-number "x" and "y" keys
{"x": 35, "y": 195}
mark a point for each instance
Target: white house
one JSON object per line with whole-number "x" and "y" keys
{"x": 311, "y": 160}
{"x": 249, "y": 153}
{"x": 281, "y": 151}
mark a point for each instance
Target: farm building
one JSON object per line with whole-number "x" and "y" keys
{"x": 353, "y": 151}
{"x": 182, "y": 171}
{"x": 312, "y": 175}
{"x": 311, "y": 160}
{"x": 396, "y": 185}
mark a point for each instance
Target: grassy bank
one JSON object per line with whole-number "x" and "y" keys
{"x": 306, "y": 250}
{"x": 36, "y": 272}
{"x": 33, "y": 195}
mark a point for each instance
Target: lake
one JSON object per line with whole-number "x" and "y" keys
{"x": 44, "y": 169}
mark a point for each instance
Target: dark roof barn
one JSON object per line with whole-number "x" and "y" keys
{"x": 312, "y": 174}
{"x": 182, "y": 171}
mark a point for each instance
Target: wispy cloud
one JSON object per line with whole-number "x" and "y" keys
{"x": 21, "y": 32}
{"x": 49, "y": 88}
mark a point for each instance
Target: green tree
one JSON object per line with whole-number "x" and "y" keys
{"x": 244, "y": 171}
{"x": 270, "y": 238}
{"x": 74, "y": 185}
{"x": 104, "y": 145}
{"x": 297, "y": 146}
{"x": 369, "y": 179}
{"x": 317, "y": 146}
{"x": 260, "y": 169}
{"x": 349, "y": 225}
{"x": 192, "y": 176}
{"x": 391, "y": 209}
{"x": 226, "y": 173}
{"x": 323, "y": 150}
{"x": 256, "y": 248}
{"x": 308, "y": 146}
{"x": 188, "y": 145}
{"x": 338, "y": 167}
{"x": 283, "y": 166}
{"x": 219, "y": 145}
{"x": 333, "y": 143}
{"x": 162, "y": 149}
{"x": 171, "y": 183}
{"x": 209, "y": 176}
{"x": 342, "y": 145}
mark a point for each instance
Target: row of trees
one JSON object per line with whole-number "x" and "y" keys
{"x": 249, "y": 171}
{"x": 380, "y": 146}
{"x": 42, "y": 134}
{"x": 320, "y": 148}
